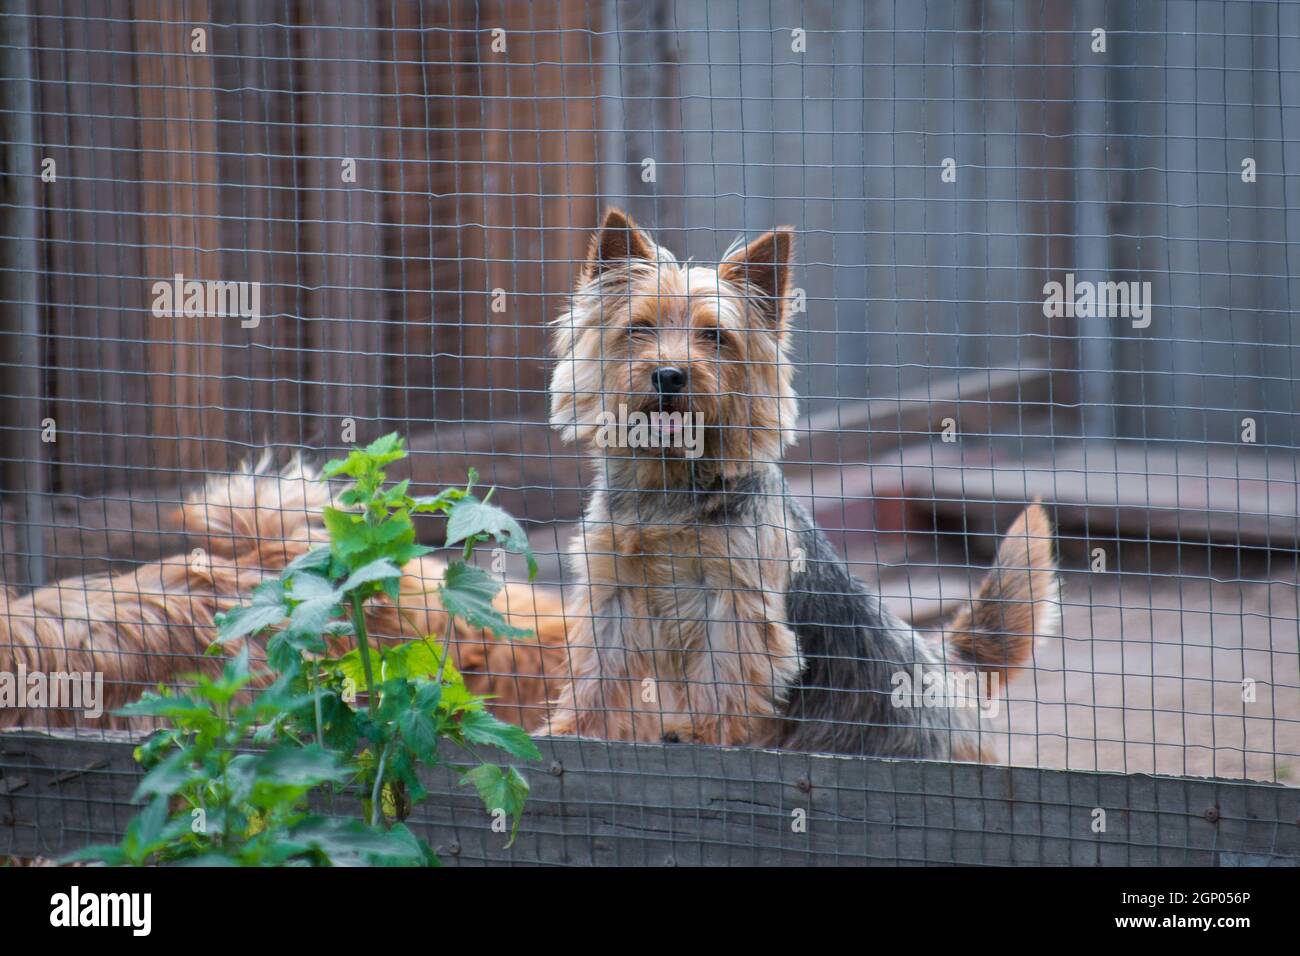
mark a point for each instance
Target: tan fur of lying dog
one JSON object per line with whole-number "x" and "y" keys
{"x": 146, "y": 626}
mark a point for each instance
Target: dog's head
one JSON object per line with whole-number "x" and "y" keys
{"x": 682, "y": 354}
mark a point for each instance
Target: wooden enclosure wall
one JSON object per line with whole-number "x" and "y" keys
{"x": 615, "y": 804}
{"x": 910, "y": 280}
{"x": 474, "y": 171}
{"x": 1116, "y": 166}
{"x": 481, "y": 169}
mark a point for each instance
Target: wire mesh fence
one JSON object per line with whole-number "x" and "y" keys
{"x": 1036, "y": 252}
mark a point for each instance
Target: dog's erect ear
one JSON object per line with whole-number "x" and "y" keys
{"x": 618, "y": 240}
{"x": 765, "y": 265}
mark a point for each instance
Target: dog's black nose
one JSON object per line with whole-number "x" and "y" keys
{"x": 668, "y": 380}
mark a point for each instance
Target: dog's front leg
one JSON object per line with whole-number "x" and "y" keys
{"x": 597, "y": 699}
{"x": 738, "y": 688}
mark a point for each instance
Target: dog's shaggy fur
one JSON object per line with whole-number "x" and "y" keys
{"x": 708, "y": 607}
{"x": 149, "y": 625}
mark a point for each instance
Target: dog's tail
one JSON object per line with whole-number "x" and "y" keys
{"x": 257, "y": 520}
{"x": 1018, "y": 600}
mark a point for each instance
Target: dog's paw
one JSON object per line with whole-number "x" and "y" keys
{"x": 559, "y": 724}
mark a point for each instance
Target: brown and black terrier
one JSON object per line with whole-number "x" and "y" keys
{"x": 707, "y": 607}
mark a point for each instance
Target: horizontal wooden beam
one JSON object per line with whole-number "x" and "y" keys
{"x": 1162, "y": 492}
{"x": 977, "y": 401}
{"x": 600, "y": 803}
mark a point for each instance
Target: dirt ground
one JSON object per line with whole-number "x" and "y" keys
{"x": 1148, "y": 676}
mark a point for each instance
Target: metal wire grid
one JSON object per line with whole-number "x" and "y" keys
{"x": 379, "y": 291}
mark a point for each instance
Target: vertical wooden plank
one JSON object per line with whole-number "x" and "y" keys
{"x": 643, "y": 112}
{"x": 256, "y": 103}
{"x": 491, "y": 188}
{"x": 416, "y": 104}
{"x": 538, "y": 174}
{"x": 24, "y": 480}
{"x": 180, "y": 201}
{"x": 95, "y": 391}
{"x": 340, "y": 94}
{"x": 1048, "y": 112}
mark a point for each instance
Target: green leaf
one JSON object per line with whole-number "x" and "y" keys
{"x": 236, "y": 672}
{"x": 308, "y": 587}
{"x": 403, "y": 554}
{"x": 366, "y": 462}
{"x": 168, "y": 777}
{"x": 467, "y": 592}
{"x": 395, "y": 497}
{"x": 145, "y": 832}
{"x": 280, "y": 778}
{"x": 284, "y": 650}
{"x": 266, "y": 610}
{"x": 239, "y": 779}
{"x": 317, "y": 559}
{"x": 419, "y": 728}
{"x": 432, "y": 504}
{"x": 353, "y": 843}
{"x": 414, "y": 659}
{"x": 457, "y": 699}
{"x": 213, "y": 858}
{"x": 103, "y": 853}
{"x": 235, "y": 675}
{"x": 396, "y": 529}
{"x": 285, "y": 695}
{"x": 352, "y": 466}
{"x": 350, "y": 666}
{"x": 379, "y": 570}
{"x": 388, "y": 448}
{"x": 310, "y": 617}
{"x": 292, "y": 765}
{"x": 403, "y": 769}
{"x": 174, "y": 708}
{"x": 156, "y": 747}
{"x": 504, "y": 790}
{"x": 480, "y": 727}
{"x": 471, "y": 518}
{"x": 349, "y": 534}
{"x": 257, "y": 800}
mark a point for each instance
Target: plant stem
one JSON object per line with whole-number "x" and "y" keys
{"x": 379, "y": 782}
{"x": 224, "y": 802}
{"x": 320, "y": 733}
{"x": 446, "y": 646}
{"x": 363, "y": 642}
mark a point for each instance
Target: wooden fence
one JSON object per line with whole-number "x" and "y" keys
{"x": 486, "y": 134}
{"x": 473, "y": 171}
{"x": 599, "y": 803}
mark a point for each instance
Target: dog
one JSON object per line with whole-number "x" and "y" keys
{"x": 707, "y": 607}
{"x": 139, "y": 628}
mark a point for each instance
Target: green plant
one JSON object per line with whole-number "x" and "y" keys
{"x": 232, "y": 779}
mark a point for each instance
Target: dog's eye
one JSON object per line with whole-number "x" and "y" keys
{"x": 715, "y": 335}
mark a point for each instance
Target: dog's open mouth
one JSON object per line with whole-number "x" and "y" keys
{"x": 664, "y": 425}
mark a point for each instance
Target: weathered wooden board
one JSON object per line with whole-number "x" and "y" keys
{"x": 597, "y": 803}
{"x": 1169, "y": 492}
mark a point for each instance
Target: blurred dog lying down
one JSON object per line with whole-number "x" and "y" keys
{"x": 147, "y": 626}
